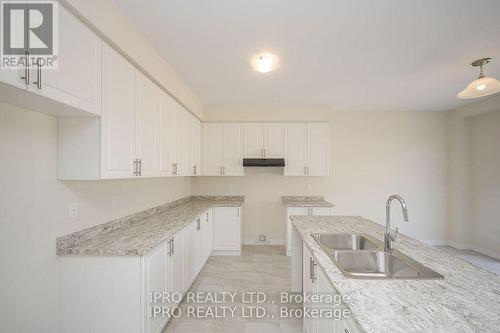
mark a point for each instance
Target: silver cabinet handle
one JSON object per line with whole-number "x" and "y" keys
{"x": 305, "y": 170}
{"x": 38, "y": 83}
{"x": 136, "y": 167}
{"x": 26, "y": 76}
{"x": 194, "y": 169}
{"x": 169, "y": 247}
{"x": 173, "y": 245}
{"x": 174, "y": 169}
{"x": 140, "y": 167}
{"x": 198, "y": 224}
{"x": 312, "y": 268}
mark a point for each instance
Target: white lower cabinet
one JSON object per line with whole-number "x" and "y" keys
{"x": 108, "y": 294}
{"x": 306, "y": 211}
{"x": 227, "y": 230}
{"x": 315, "y": 281}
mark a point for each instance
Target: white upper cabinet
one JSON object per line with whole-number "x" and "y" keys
{"x": 232, "y": 153}
{"x": 118, "y": 116}
{"x": 196, "y": 146}
{"x": 318, "y": 148}
{"x": 74, "y": 88}
{"x": 166, "y": 132}
{"x": 263, "y": 140}
{"x": 254, "y": 140}
{"x": 295, "y": 149}
{"x": 77, "y": 80}
{"x": 212, "y": 149}
{"x": 223, "y": 149}
{"x": 307, "y": 149}
{"x": 146, "y": 126}
{"x": 273, "y": 140}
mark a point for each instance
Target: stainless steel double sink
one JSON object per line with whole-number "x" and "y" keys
{"x": 360, "y": 256}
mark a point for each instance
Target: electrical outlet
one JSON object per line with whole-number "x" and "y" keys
{"x": 115, "y": 202}
{"x": 74, "y": 210}
{"x": 262, "y": 238}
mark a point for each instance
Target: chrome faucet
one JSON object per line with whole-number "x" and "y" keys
{"x": 392, "y": 236}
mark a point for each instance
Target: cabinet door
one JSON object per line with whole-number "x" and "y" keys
{"x": 181, "y": 144}
{"x": 191, "y": 253}
{"x": 273, "y": 140}
{"x": 118, "y": 116}
{"x": 14, "y": 76}
{"x": 156, "y": 279}
{"x": 308, "y": 287}
{"x": 178, "y": 257}
{"x": 318, "y": 149}
{"x": 292, "y": 211}
{"x": 201, "y": 241}
{"x": 233, "y": 149}
{"x": 146, "y": 125}
{"x": 196, "y": 146}
{"x": 254, "y": 140}
{"x": 322, "y": 211}
{"x": 295, "y": 149}
{"x": 209, "y": 236}
{"x": 77, "y": 80}
{"x": 212, "y": 149}
{"x": 166, "y": 134}
{"x": 227, "y": 229}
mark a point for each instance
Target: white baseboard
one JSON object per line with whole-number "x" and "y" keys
{"x": 268, "y": 242}
{"x": 226, "y": 253}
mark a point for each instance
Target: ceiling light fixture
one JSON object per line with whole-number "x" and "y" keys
{"x": 483, "y": 85}
{"x": 264, "y": 63}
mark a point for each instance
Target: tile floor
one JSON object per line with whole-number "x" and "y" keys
{"x": 259, "y": 268}
{"x": 475, "y": 258}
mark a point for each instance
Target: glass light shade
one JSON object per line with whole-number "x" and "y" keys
{"x": 264, "y": 63}
{"x": 481, "y": 87}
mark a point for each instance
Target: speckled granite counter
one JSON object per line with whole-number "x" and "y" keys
{"x": 136, "y": 234}
{"x": 467, "y": 300}
{"x": 305, "y": 201}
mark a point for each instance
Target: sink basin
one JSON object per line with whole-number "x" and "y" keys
{"x": 359, "y": 256}
{"x": 381, "y": 265}
{"x": 341, "y": 242}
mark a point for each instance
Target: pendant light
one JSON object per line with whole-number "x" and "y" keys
{"x": 483, "y": 85}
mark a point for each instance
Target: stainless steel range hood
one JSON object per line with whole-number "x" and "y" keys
{"x": 264, "y": 162}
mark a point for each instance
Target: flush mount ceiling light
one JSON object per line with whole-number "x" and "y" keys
{"x": 483, "y": 85}
{"x": 264, "y": 63}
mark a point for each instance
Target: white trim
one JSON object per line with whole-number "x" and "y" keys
{"x": 226, "y": 253}
{"x": 267, "y": 242}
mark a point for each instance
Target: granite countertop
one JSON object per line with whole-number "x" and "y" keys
{"x": 136, "y": 234}
{"x": 305, "y": 201}
{"x": 466, "y": 300}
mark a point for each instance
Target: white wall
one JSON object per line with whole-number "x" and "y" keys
{"x": 473, "y": 186}
{"x": 110, "y": 21}
{"x": 34, "y": 212}
{"x": 373, "y": 155}
{"x": 485, "y": 172}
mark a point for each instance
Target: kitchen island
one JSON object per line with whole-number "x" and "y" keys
{"x": 466, "y": 300}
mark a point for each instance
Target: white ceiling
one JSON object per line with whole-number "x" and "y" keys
{"x": 348, "y": 54}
